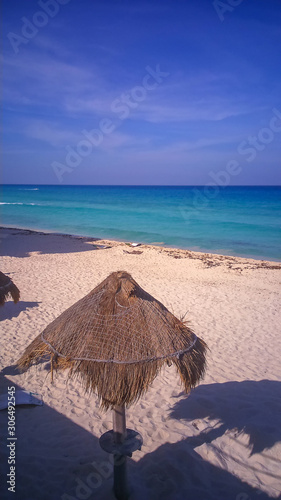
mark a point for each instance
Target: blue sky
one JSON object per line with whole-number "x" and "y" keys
{"x": 161, "y": 92}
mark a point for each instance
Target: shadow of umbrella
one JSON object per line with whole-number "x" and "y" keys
{"x": 13, "y": 310}
{"x": 116, "y": 340}
{"x": 21, "y": 243}
{"x": 249, "y": 407}
{"x": 175, "y": 471}
{"x": 56, "y": 459}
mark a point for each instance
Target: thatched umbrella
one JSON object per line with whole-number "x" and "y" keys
{"x": 116, "y": 339}
{"x": 8, "y": 288}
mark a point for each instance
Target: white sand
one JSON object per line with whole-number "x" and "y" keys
{"x": 220, "y": 443}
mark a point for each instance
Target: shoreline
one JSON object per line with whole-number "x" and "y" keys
{"x": 236, "y": 224}
{"x": 209, "y": 258}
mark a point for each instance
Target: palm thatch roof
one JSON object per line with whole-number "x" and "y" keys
{"x": 8, "y": 288}
{"x": 116, "y": 339}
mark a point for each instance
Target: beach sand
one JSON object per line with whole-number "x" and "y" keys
{"x": 222, "y": 442}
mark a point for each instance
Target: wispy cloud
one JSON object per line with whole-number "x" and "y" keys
{"x": 51, "y": 133}
{"x": 46, "y": 81}
{"x": 74, "y": 88}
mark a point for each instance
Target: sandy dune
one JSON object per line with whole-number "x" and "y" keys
{"x": 222, "y": 442}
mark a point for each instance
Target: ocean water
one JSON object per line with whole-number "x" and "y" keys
{"x": 242, "y": 221}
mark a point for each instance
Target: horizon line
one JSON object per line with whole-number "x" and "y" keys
{"x": 141, "y": 185}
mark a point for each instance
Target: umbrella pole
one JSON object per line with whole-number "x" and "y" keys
{"x": 120, "y": 461}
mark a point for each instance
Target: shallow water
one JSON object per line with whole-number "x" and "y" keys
{"x": 244, "y": 221}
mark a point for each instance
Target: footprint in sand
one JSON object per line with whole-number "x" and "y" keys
{"x": 161, "y": 434}
{"x": 77, "y": 412}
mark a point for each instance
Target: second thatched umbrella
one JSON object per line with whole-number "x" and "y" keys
{"x": 8, "y": 288}
{"x": 116, "y": 339}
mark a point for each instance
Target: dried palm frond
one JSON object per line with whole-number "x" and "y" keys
{"x": 8, "y": 288}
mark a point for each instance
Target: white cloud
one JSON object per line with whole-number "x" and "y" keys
{"x": 51, "y": 133}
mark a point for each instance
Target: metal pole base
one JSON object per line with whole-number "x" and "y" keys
{"x": 121, "y": 442}
{"x": 132, "y": 442}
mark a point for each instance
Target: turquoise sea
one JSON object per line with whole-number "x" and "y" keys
{"x": 244, "y": 221}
